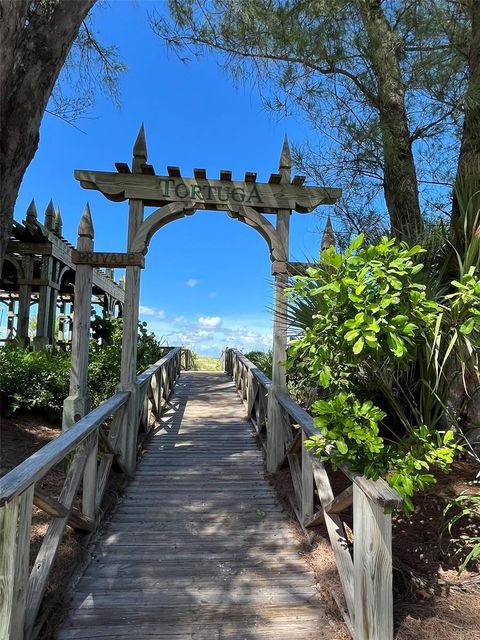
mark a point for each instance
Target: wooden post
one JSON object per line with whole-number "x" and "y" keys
{"x": 372, "y": 573}
{"x": 328, "y": 237}
{"x": 128, "y": 372}
{"x": 62, "y": 320}
{"x": 24, "y": 299}
{"x": 278, "y": 428}
{"x": 77, "y": 405}
{"x": 25, "y": 290}
{"x": 15, "y": 531}
{"x": 43, "y": 313}
{"x": 52, "y": 310}
{"x": 58, "y": 223}
{"x": 10, "y": 317}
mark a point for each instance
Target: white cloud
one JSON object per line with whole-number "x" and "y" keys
{"x": 212, "y": 294}
{"x": 211, "y": 322}
{"x": 191, "y": 282}
{"x": 150, "y": 311}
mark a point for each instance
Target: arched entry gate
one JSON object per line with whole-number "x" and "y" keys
{"x": 176, "y": 197}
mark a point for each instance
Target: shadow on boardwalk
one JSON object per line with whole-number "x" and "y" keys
{"x": 199, "y": 547}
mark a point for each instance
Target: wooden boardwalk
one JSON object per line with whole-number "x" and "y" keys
{"x": 200, "y": 547}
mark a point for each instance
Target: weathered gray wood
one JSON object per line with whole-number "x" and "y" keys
{"x": 44, "y": 560}
{"x": 41, "y": 337}
{"x": 297, "y": 413}
{"x": 37, "y": 465}
{"x": 89, "y": 489}
{"x": 198, "y": 536}
{"x": 24, "y": 299}
{"x": 43, "y": 500}
{"x": 341, "y": 502}
{"x": 372, "y": 530}
{"x": 307, "y": 482}
{"x": 278, "y": 424}
{"x": 129, "y": 429}
{"x": 315, "y": 520}
{"x": 102, "y": 478}
{"x": 296, "y": 473}
{"x": 15, "y": 525}
{"x": 77, "y": 403}
{"x": 104, "y": 259}
{"x": 338, "y": 539}
{"x": 377, "y": 490}
{"x": 207, "y": 194}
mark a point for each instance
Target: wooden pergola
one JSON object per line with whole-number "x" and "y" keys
{"x": 39, "y": 269}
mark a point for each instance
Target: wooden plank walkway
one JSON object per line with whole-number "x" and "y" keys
{"x": 200, "y": 547}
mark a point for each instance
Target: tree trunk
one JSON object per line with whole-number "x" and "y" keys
{"x": 400, "y": 177}
{"x": 468, "y": 167}
{"x": 36, "y": 38}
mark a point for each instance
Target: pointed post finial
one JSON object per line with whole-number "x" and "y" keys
{"x": 328, "y": 237}
{"x": 85, "y": 228}
{"x": 31, "y": 213}
{"x": 58, "y": 222}
{"x": 49, "y": 221}
{"x": 139, "y": 150}
{"x": 285, "y": 156}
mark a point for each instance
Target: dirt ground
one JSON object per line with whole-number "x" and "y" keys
{"x": 432, "y": 602}
{"x": 20, "y": 437}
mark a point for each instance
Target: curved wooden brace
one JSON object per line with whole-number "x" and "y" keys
{"x": 63, "y": 271}
{"x": 157, "y": 220}
{"x": 247, "y": 215}
{"x": 17, "y": 264}
{"x": 254, "y": 219}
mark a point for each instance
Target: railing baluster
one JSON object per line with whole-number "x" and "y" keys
{"x": 15, "y": 527}
{"x": 372, "y": 572}
{"x": 307, "y": 481}
{"x": 90, "y": 480}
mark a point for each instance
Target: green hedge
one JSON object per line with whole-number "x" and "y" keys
{"x": 39, "y": 381}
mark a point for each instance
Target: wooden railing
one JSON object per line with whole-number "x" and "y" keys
{"x": 94, "y": 446}
{"x": 364, "y": 564}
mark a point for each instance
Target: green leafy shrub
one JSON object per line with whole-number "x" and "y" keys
{"x": 464, "y": 510}
{"x": 33, "y": 380}
{"x": 383, "y": 354}
{"x": 262, "y": 360}
{"x": 39, "y": 380}
{"x": 105, "y": 358}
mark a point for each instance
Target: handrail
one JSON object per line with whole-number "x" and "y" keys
{"x": 148, "y": 373}
{"x": 94, "y": 451}
{"x": 38, "y": 464}
{"x": 365, "y": 576}
{"x": 254, "y": 370}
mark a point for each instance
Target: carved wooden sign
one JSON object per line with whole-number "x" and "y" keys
{"x": 101, "y": 259}
{"x": 205, "y": 193}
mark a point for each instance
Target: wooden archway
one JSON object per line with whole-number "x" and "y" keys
{"x": 177, "y": 210}
{"x": 175, "y": 197}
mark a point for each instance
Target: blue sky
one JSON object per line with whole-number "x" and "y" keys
{"x": 207, "y": 281}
